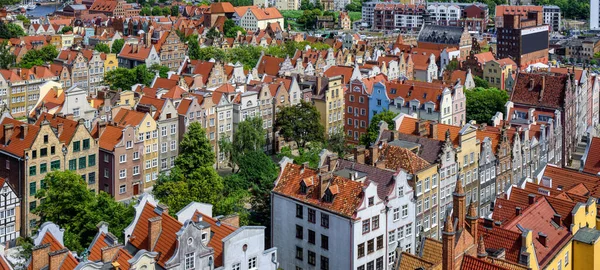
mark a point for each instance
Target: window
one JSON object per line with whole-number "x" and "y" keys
{"x": 409, "y": 229}
{"x": 311, "y": 237}
{"x": 55, "y": 165}
{"x": 375, "y": 222}
{"x": 311, "y": 258}
{"x": 252, "y": 263}
{"x": 44, "y": 152}
{"x": 163, "y": 147}
{"x": 73, "y": 164}
{"x": 32, "y": 206}
{"x": 396, "y": 214}
{"x": 122, "y": 174}
{"x": 32, "y": 170}
{"x": 324, "y": 263}
{"x": 299, "y": 211}
{"x": 379, "y": 242}
{"x": 312, "y": 215}
{"x": 370, "y": 246}
{"x": 86, "y": 144}
{"x": 324, "y": 220}
{"x": 566, "y": 258}
{"x": 392, "y": 236}
{"x": 136, "y": 155}
{"x": 122, "y": 189}
{"x": 379, "y": 263}
{"x": 43, "y": 168}
{"x": 405, "y": 211}
{"x": 32, "y": 188}
{"x": 82, "y": 162}
{"x": 173, "y": 145}
{"x": 361, "y": 250}
{"x": 366, "y": 226}
{"x": 371, "y": 201}
{"x": 299, "y": 232}
{"x": 324, "y": 242}
{"x": 122, "y": 158}
{"x": 299, "y": 253}
{"x": 173, "y": 129}
{"x": 371, "y": 265}
{"x": 189, "y": 261}
{"x": 76, "y": 146}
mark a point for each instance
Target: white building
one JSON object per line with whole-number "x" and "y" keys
{"x": 345, "y": 216}
{"x": 595, "y": 15}
{"x": 259, "y": 18}
{"x": 552, "y": 17}
{"x": 9, "y": 208}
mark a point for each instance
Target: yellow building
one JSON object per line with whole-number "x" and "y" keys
{"x": 147, "y": 132}
{"x": 110, "y": 62}
{"x": 586, "y": 249}
{"x": 67, "y": 39}
{"x": 496, "y": 72}
{"x": 330, "y": 104}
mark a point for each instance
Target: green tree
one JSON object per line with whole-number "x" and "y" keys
{"x": 300, "y": 123}
{"x": 452, "y": 65}
{"x": 5, "y": 3}
{"x": 68, "y": 203}
{"x": 143, "y": 75}
{"x": 39, "y": 57}
{"x": 373, "y": 129}
{"x": 194, "y": 50}
{"x": 7, "y": 58}
{"x": 166, "y": 11}
{"x": 120, "y": 78}
{"x": 230, "y": 30}
{"x": 213, "y": 33}
{"x": 162, "y": 70}
{"x": 483, "y": 103}
{"x": 65, "y": 29}
{"x": 117, "y": 46}
{"x": 208, "y": 53}
{"x": 146, "y": 11}
{"x": 193, "y": 178}
{"x": 249, "y": 137}
{"x": 245, "y": 54}
{"x": 337, "y": 143}
{"x": 174, "y": 11}
{"x": 156, "y": 11}
{"x": 11, "y": 30}
{"x": 24, "y": 19}
{"x": 101, "y": 47}
{"x": 479, "y": 82}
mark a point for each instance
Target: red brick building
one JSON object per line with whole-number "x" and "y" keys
{"x": 523, "y": 39}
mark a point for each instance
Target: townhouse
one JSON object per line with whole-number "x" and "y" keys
{"x": 23, "y": 87}
{"x": 255, "y": 18}
{"x": 334, "y": 217}
{"x": 10, "y": 214}
{"x": 55, "y": 99}
{"x": 329, "y": 100}
{"x": 146, "y": 131}
{"x": 30, "y": 151}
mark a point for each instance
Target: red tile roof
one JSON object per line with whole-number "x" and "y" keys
{"x": 345, "y": 203}
{"x": 472, "y": 263}
{"x": 499, "y": 238}
{"x": 269, "y": 65}
{"x": 552, "y": 96}
{"x": 69, "y": 263}
{"x": 567, "y": 178}
{"x": 592, "y": 161}
{"x": 110, "y": 137}
{"x": 17, "y": 143}
{"x": 221, "y": 7}
{"x": 128, "y": 117}
{"x": 345, "y": 71}
{"x": 69, "y": 126}
{"x": 219, "y": 231}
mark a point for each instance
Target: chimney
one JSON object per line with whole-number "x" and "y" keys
{"x": 374, "y": 151}
{"x": 518, "y": 211}
{"x": 434, "y": 130}
{"x": 56, "y": 258}
{"x": 543, "y": 238}
{"x": 108, "y": 253}
{"x": 422, "y": 128}
{"x": 556, "y": 219}
{"x": 488, "y": 223}
{"x": 531, "y": 84}
{"x": 154, "y": 230}
{"x": 162, "y": 208}
{"x": 60, "y": 128}
{"x": 324, "y": 179}
{"x": 303, "y": 166}
{"x": 101, "y": 127}
{"x": 531, "y": 198}
{"x": 233, "y": 220}
{"x": 359, "y": 154}
{"x": 39, "y": 256}
{"x": 8, "y": 132}
{"x": 332, "y": 161}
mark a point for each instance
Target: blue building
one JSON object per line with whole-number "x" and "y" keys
{"x": 378, "y": 100}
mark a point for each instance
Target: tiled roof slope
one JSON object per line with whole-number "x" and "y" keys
{"x": 69, "y": 126}
{"x": 17, "y": 143}
{"x": 592, "y": 161}
{"x": 401, "y": 158}
{"x": 499, "y": 238}
{"x": 345, "y": 203}
{"x": 219, "y": 231}
{"x": 471, "y": 263}
{"x": 110, "y": 137}
{"x": 568, "y": 178}
{"x": 383, "y": 178}
{"x": 547, "y": 90}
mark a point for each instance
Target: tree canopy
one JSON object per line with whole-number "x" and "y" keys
{"x": 66, "y": 201}
{"x": 7, "y": 59}
{"x": 65, "y": 29}
{"x": 373, "y": 129}
{"x": 117, "y": 46}
{"x": 39, "y": 57}
{"x": 162, "y": 70}
{"x": 101, "y": 47}
{"x": 483, "y": 103}
{"x": 300, "y": 123}
{"x": 123, "y": 78}
{"x": 249, "y": 137}
{"x": 230, "y": 29}
{"x": 193, "y": 179}
{"x": 10, "y": 30}
{"x": 479, "y": 82}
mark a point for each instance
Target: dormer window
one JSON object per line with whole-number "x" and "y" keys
{"x": 305, "y": 184}
{"x": 330, "y": 193}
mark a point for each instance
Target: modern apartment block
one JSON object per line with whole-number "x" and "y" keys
{"x": 523, "y": 39}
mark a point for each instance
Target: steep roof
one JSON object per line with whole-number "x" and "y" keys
{"x": 440, "y": 34}
{"x": 68, "y": 262}
{"x": 128, "y": 117}
{"x": 540, "y": 90}
{"x": 221, "y": 7}
{"x": 498, "y": 238}
{"x": 218, "y": 231}
{"x": 592, "y": 161}
{"x": 69, "y": 126}
{"x": 472, "y": 263}
{"x": 345, "y": 203}
{"x": 269, "y": 65}
{"x": 345, "y": 71}
{"x": 402, "y": 158}
{"x": 383, "y": 178}
{"x": 269, "y": 13}
{"x": 568, "y": 178}
{"x": 17, "y": 143}
{"x": 110, "y": 137}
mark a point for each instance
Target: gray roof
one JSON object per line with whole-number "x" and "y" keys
{"x": 441, "y": 34}
{"x": 384, "y": 178}
{"x": 78, "y": 7}
{"x": 587, "y": 235}
{"x": 429, "y": 149}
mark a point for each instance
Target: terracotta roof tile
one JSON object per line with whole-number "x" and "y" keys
{"x": 432, "y": 251}
{"x": 17, "y": 143}
{"x": 592, "y": 161}
{"x": 269, "y": 65}
{"x": 402, "y": 158}
{"x": 567, "y": 178}
{"x": 219, "y": 231}
{"x": 409, "y": 261}
{"x": 345, "y": 203}
{"x": 345, "y": 71}
{"x": 552, "y": 96}
{"x": 499, "y": 238}
{"x": 69, "y": 126}
{"x": 472, "y": 263}
{"x": 110, "y": 137}
{"x": 128, "y": 117}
